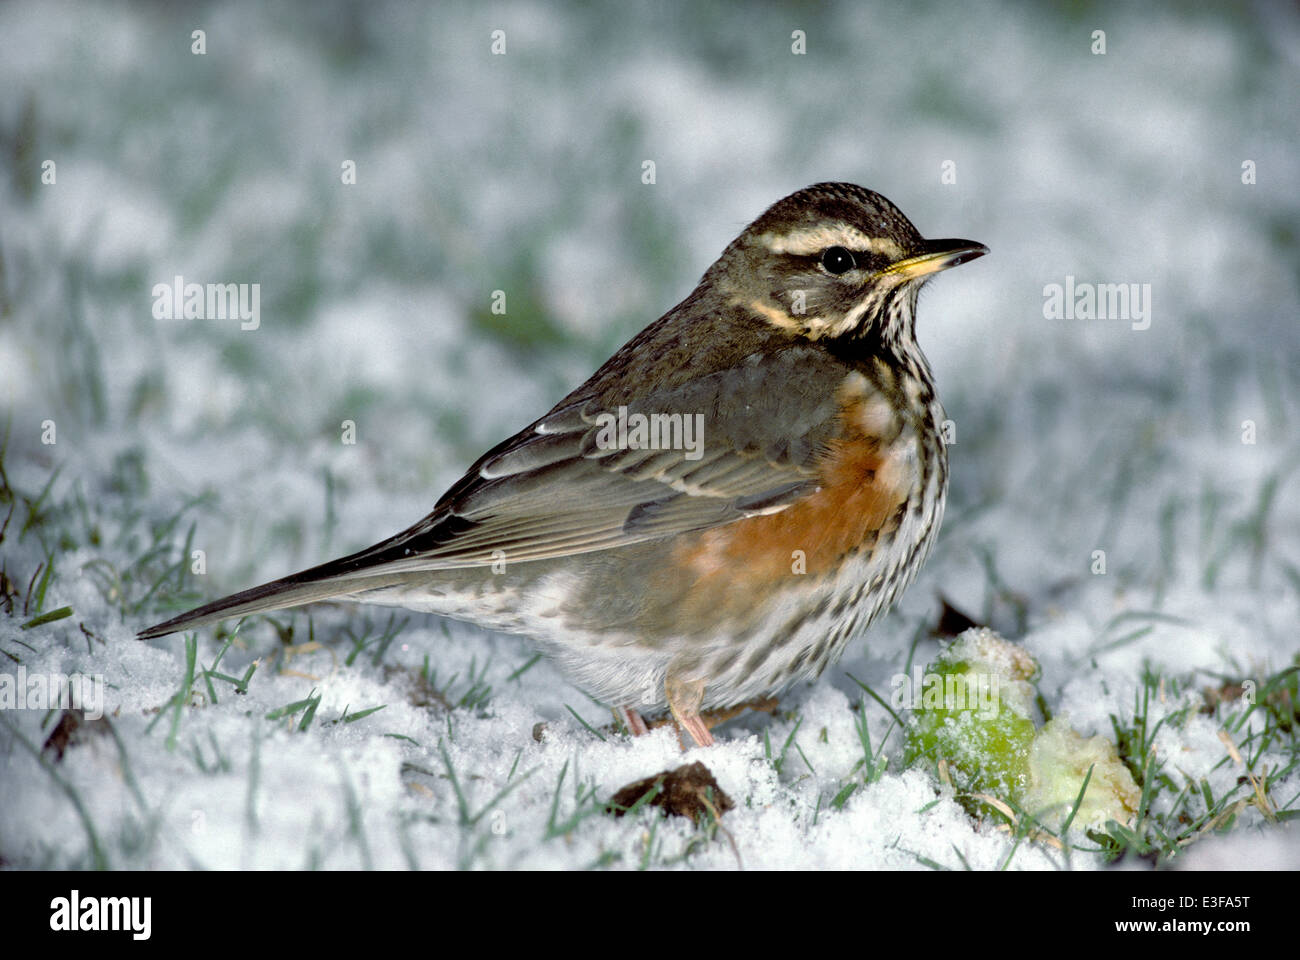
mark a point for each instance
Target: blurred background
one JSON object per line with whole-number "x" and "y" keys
{"x": 379, "y": 170}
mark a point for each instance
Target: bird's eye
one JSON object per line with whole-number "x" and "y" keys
{"x": 837, "y": 260}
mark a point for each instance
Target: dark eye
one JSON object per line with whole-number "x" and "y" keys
{"x": 837, "y": 260}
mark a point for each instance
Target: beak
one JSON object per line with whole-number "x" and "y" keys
{"x": 938, "y": 255}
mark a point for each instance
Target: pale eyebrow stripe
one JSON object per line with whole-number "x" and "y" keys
{"x": 809, "y": 240}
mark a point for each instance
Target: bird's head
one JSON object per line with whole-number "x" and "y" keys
{"x": 835, "y": 262}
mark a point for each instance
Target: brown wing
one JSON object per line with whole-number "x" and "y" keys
{"x": 557, "y": 489}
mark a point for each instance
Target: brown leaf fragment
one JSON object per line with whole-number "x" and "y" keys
{"x": 689, "y": 791}
{"x": 72, "y": 729}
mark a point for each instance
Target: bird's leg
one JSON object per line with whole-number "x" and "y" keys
{"x": 634, "y": 722}
{"x": 684, "y": 699}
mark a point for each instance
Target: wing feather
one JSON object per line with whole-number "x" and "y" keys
{"x": 555, "y": 490}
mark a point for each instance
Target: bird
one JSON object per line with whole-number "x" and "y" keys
{"x": 723, "y": 505}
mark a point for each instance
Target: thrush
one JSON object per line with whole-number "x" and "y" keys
{"x": 725, "y": 503}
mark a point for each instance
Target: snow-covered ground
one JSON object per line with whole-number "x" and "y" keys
{"x": 1125, "y": 499}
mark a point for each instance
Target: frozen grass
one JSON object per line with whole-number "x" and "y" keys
{"x": 363, "y": 738}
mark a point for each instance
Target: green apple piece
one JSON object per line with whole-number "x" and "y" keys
{"x": 1058, "y": 763}
{"x": 975, "y": 709}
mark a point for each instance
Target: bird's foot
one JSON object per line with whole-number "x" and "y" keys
{"x": 684, "y": 699}
{"x": 638, "y": 726}
{"x": 634, "y": 722}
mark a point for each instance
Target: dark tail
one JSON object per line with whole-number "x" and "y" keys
{"x": 292, "y": 591}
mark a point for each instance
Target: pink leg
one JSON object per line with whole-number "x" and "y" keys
{"x": 633, "y": 721}
{"x": 684, "y": 699}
